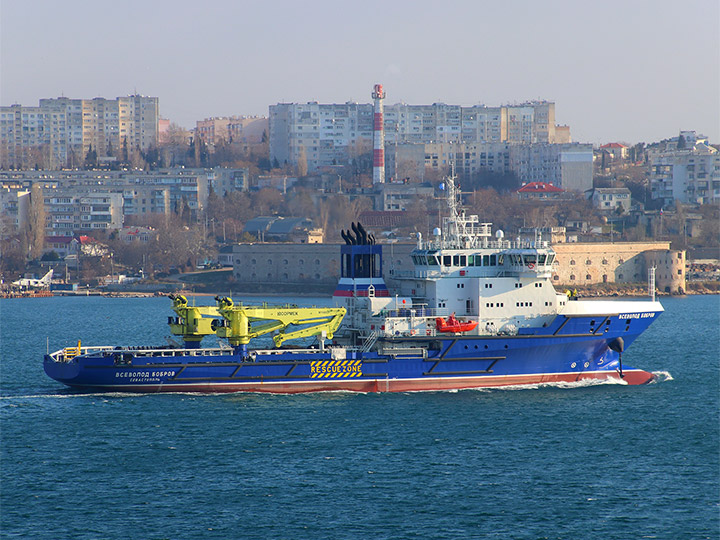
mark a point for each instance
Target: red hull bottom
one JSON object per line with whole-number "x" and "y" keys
{"x": 630, "y": 377}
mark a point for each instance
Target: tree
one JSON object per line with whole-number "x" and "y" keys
{"x": 174, "y": 145}
{"x": 13, "y": 249}
{"x": 91, "y": 158}
{"x": 681, "y": 144}
{"x": 268, "y": 201}
{"x": 302, "y": 165}
{"x": 125, "y": 156}
{"x": 36, "y": 222}
{"x": 238, "y": 206}
{"x": 300, "y": 204}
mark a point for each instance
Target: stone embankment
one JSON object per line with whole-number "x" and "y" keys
{"x": 637, "y": 290}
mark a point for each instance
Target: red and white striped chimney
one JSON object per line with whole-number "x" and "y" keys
{"x": 378, "y": 136}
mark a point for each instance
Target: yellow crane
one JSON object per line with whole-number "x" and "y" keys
{"x": 239, "y": 324}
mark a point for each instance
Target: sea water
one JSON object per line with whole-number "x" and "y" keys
{"x": 599, "y": 461}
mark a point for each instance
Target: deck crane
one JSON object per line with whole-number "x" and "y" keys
{"x": 239, "y": 324}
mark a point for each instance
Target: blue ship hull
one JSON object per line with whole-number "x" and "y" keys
{"x": 570, "y": 349}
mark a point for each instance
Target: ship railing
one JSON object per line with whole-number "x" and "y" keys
{"x": 68, "y": 353}
{"x": 415, "y": 312}
{"x": 484, "y": 243}
{"x": 369, "y": 341}
{"x": 141, "y": 353}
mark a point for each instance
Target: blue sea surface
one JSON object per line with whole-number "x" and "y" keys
{"x": 604, "y": 461}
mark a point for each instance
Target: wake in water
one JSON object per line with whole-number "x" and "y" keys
{"x": 660, "y": 377}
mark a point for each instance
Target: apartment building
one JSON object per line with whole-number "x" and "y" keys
{"x": 239, "y": 129}
{"x": 567, "y": 166}
{"x": 687, "y": 171}
{"x": 60, "y": 131}
{"x": 331, "y": 134}
{"x": 73, "y": 210}
{"x": 322, "y": 134}
{"x": 88, "y": 200}
{"x": 14, "y": 205}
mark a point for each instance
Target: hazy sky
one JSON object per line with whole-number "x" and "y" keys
{"x": 618, "y": 70}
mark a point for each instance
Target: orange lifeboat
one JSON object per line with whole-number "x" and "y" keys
{"x": 452, "y": 325}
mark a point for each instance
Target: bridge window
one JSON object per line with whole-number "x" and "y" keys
{"x": 542, "y": 258}
{"x": 447, "y": 260}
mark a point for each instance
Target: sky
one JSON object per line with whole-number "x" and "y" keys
{"x": 618, "y": 70}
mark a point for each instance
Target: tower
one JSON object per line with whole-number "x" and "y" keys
{"x": 378, "y": 136}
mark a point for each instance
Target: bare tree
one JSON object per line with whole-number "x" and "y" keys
{"x": 302, "y": 165}
{"x": 36, "y": 222}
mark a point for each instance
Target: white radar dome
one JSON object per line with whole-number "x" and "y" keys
{"x": 436, "y": 231}
{"x": 499, "y": 234}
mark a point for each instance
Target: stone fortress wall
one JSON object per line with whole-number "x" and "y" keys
{"x": 293, "y": 266}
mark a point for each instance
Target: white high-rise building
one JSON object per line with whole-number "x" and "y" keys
{"x": 330, "y": 134}
{"x": 60, "y": 131}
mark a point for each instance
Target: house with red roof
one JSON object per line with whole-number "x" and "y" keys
{"x": 615, "y": 150}
{"x": 62, "y": 245}
{"x": 539, "y": 190}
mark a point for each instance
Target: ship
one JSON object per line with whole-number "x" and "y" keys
{"x": 475, "y": 311}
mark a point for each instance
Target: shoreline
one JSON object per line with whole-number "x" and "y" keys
{"x": 625, "y": 291}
